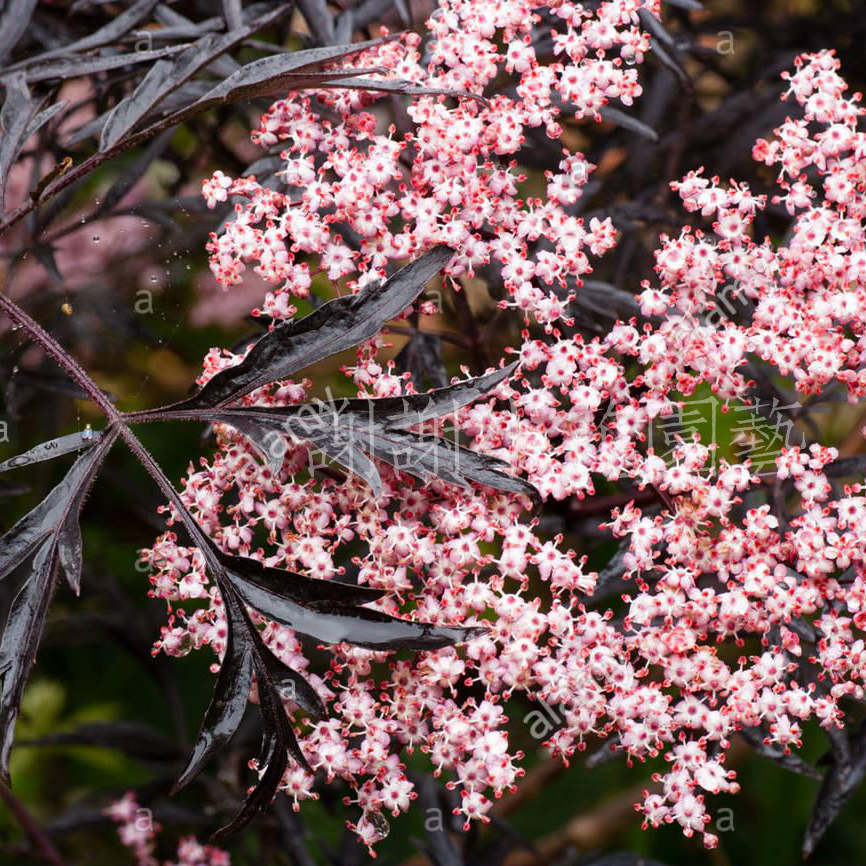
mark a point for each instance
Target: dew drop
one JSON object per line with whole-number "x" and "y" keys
{"x": 88, "y": 432}
{"x": 96, "y": 239}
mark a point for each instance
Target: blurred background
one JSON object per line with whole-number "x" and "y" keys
{"x": 116, "y": 269}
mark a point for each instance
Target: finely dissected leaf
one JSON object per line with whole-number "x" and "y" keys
{"x": 233, "y": 14}
{"x": 45, "y": 534}
{"x": 414, "y": 409}
{"x": 51, "y": 515}
{"x": 79, "y": 66}
{"x": 398, "y": 85}
{"x": 165, "y": 77}
{"x": 617, "y": 117}
{"x": 269, "y": 75}
{"x": 357, "y": 430}
{"x": 21, "y": 634}
{"x": 15, "y": 119}
{"x": 278, "y": 740}
{"x": 305, "y": 590}
{"x": 319, "y": 20}
{"x": 428, "y": 457}
{"x": 292, "y": 686}
{"x": 118, "y": 26}
{"x": 43, "y": 117}
{"x": 14, "y": 19}
{"x": 50, "y": 449}
{"x": 130, "y": 110}
{"x": 335, "y": 622}
{"x": 843, "y": 777}
{"x": 333, "y": 327}
{"x": 422, "y": 357}
{"x": 231, "y": 693}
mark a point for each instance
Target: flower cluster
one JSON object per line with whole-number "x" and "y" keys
{"x": 711, "y": 570}
{"x": 138, "y": 832}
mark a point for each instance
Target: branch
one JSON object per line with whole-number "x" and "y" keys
{"x": 28, "y": 824}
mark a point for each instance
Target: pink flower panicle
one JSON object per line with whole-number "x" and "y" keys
{"x": 138, "y": 832}
{"x": 656, "y": 680}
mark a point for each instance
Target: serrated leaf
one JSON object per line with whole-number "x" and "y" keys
{"x": 318, "y": 19}
{"x": 414, "y": 409}
{"x": 44, "y": 535}
{"x": 356, "y": 431}
{"x": 398, "y": 85}
{"x": 15, "y": 119}
{"x": 14, "y": 19}
{"x": 269, "y": 75}
{"x": 80, "y": 66}
{"x": 617, "y": 117}
{"x": 130, "y": 110}
{"x": 278, "y": 738}
{"x": 43, "y": 117}
{"x": 51, "y": 449}
{"x": 231, "y": 693}
{"x": 334, "y": 327}
{"x": 334, "y": 622}
{"x": 118, "y": 26}
{"x": 305, "y": 590}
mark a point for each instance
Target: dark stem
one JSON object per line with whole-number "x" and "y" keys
{"x": 78, "y": 374}
{"x": 60, "y": 355}
{"x": 28, "y": 824}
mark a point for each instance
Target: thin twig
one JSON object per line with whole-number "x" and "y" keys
{"x": 28, "y": 824}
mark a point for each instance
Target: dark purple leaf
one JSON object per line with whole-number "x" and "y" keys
{"x": 50, "y": 449}
{"x": 617, "y": 117}
{"x": 334, "y": 622}
{"x": 15, "y": 120}
{"x": 304, "y": 590}
{"x": 397, "y": 85}
{"x": 44, "y": 534}
{"x": 422, "y": 357}
{"x": 79, "y": 66}
{"x": 843, "y": 777}
{"x": 14, "y": 19}
{"x": 230, "y": 697}
{"x": 293, "y": 686}
{"x": 413, "y": 409}
{"x": 318, "y": 18}
{"x": 118, "y": 26}
{"x": 234, "y": 14}
{"x": 269, "y": 75}
{"x": 130, "y": 110}
{"x": 43, "y": 117}
{"x": 278, "y": 738}
{"x": 332, "y": 328}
